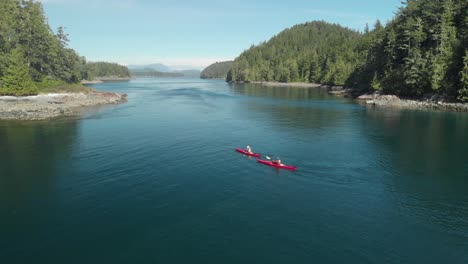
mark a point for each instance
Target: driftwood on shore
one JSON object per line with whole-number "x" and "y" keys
{"x": 47, "y": 106}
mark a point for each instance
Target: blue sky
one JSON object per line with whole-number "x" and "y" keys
{"x": 194, "y": 34}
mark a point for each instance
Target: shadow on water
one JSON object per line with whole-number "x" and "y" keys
{"x": 304, "y": 108}
{"x": 29, "y": 152}
{"x": 277, "y": 92}
{"x": 428, "y": 159}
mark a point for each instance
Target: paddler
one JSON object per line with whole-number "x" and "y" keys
{"x": 248, "y": 149}
{"x": 277, "y": 161}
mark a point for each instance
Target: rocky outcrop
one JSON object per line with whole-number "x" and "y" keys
{"x": 428, "y": 102}
{"x": 47, "y": 106}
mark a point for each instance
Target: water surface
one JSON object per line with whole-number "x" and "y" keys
{"x": 156, "y": 180}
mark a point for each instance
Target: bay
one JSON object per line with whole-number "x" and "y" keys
{"x": 157, "y": 180}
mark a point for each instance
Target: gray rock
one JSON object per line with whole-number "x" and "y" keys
{"x": 46, "y": 106}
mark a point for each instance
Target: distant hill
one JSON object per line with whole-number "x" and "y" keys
{"x": 155, "y": 67}
{"x": 161, "y": 70}
{"x": 153, "y": 73}
{"x": 100, "y": 70}
{"x": 317, "y": 52}
{"x": 148, "y": 72}
{"x": 218, "y": 70}
{"x": 189, "y": 73}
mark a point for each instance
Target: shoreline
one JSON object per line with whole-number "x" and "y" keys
{"x": 291, "y": 84}
{"x": 105, "y": 80}
{"x": 54, "y": 105}
{"x": 433, "y": 102}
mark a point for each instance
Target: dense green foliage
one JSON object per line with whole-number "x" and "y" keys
{"x": 17, "y": 80}
{"x": 422, "y": 50}
{"x": 464, "y": 79}
{"x": 218, "y": 70}
{"x": 312, "y": 52}
{"x": 28, "y": 47}
{"x": 23, "y": 26}
{"x": 95, "y": 70}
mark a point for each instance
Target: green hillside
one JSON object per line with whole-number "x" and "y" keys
{"x": 312, "y": 52}
{"x": 105, "y": 69}
{"x": 422, "y": 50}
{"x": 218, "y": 70}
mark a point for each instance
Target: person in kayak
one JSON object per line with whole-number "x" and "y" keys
{"x": 277, "y": 162}
{"x": 248, "y": 149}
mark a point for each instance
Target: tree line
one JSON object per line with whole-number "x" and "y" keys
{"x": 155, "y": 73}
{"x": 218, "y": 70}
{"x": 32, "y": 55}
{"x": 422, "y": 50}
{"x": 96, "y": 70}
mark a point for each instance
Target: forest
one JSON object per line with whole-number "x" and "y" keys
{"x": 34, "y": 57}
{"x": 218, "y": 70}
{"x": 95, "y": 70}
{"x": 422, "y": 50}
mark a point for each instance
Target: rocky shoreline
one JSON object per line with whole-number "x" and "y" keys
{"x": 432, "y": 102}
{"x": 291, "y": 84}
{"x": 48, "y": 106}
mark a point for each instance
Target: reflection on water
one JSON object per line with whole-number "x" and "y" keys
{"x": 306, "y": 108}
{"x": 29, "y": 152}
{"x": 428, "y": 161}
{"x": 426, "y": 144}
{"x": 289, "y": 93}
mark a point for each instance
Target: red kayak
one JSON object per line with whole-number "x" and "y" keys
{"x": 243, "y": 151}
{"x": 281, "y": 166}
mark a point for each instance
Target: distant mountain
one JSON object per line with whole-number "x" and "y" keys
{"x": 155, "y": 67}
{"x": 216, "y": 70}
{"x": 161, "y": 70}
{"x": 189, "y": 73}
{"x": 103, "y": 70}
{"x": 153, "y": 73}
{"x": 148, "y": 72}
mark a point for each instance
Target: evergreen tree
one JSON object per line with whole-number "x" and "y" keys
{"x": 23, "y": 25}
{"x": 16, "y": 80}
{"x": 375, "y": 84}
{"x": 464, "y": 79}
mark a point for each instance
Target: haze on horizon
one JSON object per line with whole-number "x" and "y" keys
{"x": 187, "y": 35}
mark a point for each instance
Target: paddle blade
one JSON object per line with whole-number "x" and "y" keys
{"x": 268, "y": 157}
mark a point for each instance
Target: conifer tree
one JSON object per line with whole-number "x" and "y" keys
{"x": 464, "y": 79}
{"x": 17, "y": 80}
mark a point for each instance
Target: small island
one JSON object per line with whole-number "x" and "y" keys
{"x": 40, "y": 75}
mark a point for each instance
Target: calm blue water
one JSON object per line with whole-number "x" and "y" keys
{"x": 156, "y": 180}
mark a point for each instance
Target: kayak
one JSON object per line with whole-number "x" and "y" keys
{"x": 243, "y": 151}
{"x": 281, "y": 166}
